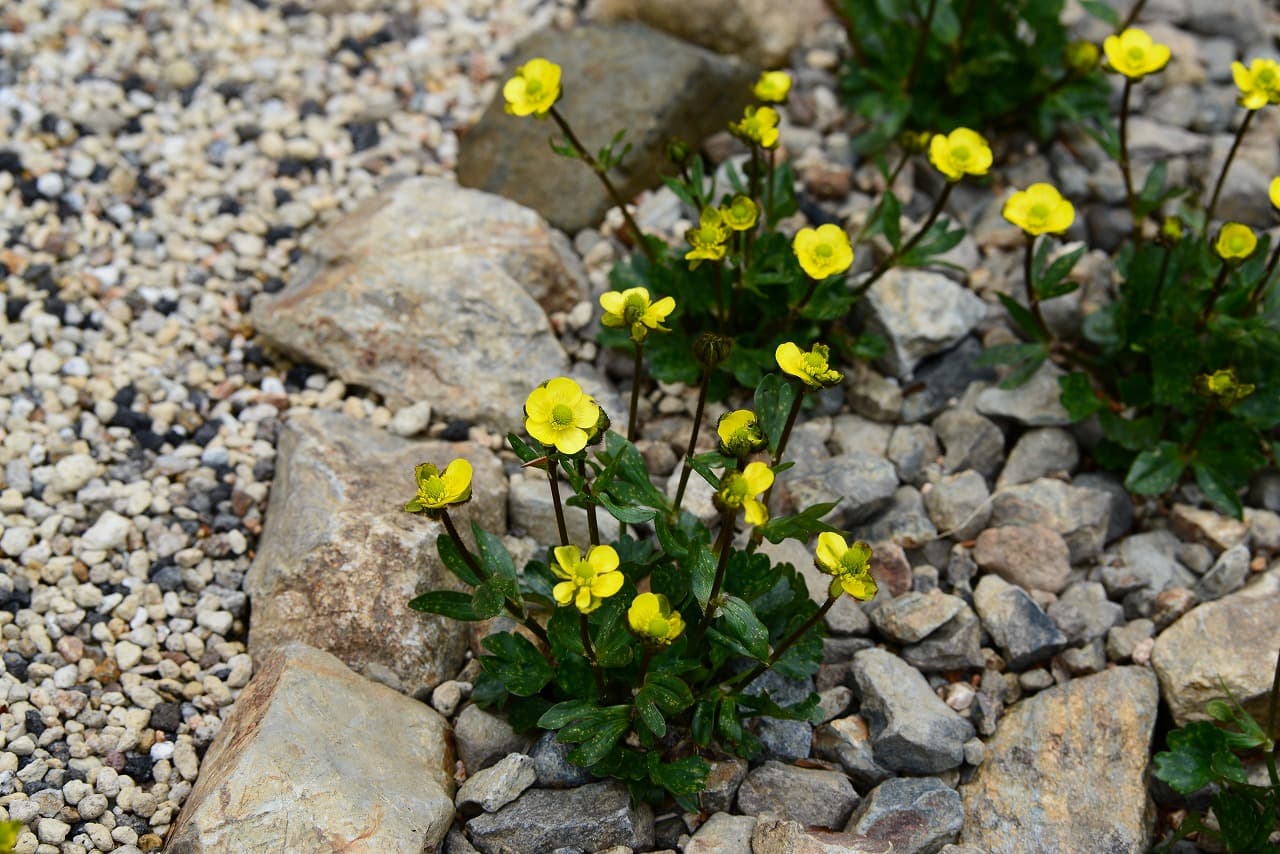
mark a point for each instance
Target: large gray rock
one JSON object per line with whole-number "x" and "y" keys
{"x": 315, "y": 758}
{"x": 1022, "y": 631}
{"x": 958, "y": 504}
{"x": 848, "y": 742}
{"x": 1066, "y": 770}
{"x": 339, "y": 560}
{"x": 913, "y": 731}
{"x": 592, "y": 818}
{"x": 1079, "y": 514}
{"x": 956, "y": 645}
{"x": 775, "y": 836}
{"x": 1038, "y": 453}
{"x": 943, "y": 378}
{"x": 1149, "y": 558}
{"x": 919, "y": 313}
{"x": 971, "y": 441}
{"x": 914, "y": 616}
{"x": 687, "y": 92}
{"x": 1034, "y": 403}
{"x": 811, "y": 796}
{"x": 424, "y": 293}
{"x": 1232, "y": 641}
{"x": 918, "y": 814}
{"x": 904, "y": 521}
{"x": 722, "y": 833}
{"x": 864, "y": 485}
{"x": 484, "y": 738}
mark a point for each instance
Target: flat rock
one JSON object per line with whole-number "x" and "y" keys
{"x": 591, "y": 817}
{"x": 913, "y": 449}
{"x": 1023, "y": 632}
{"x": 919, "y": 313}
{"x": 1066, "y": 770}
{"x": 1233, "y": 640}
{"x": 1078, "y": 513}
{"x": 864, "y": 485}
{"x": 912, "y": 730}
{"x": 914, "y": 616}
{"x": 810, "y": 796}
{"x": 956, "y": 645}
{"x": 1150, "y": 558}
{"x": 688, "y": 92}
{"x": 1031, "y": 556}
{"x": 722, "y": 833}
{"x": 484, "y": 738}
{"x": 1034, "y": 403}
{"x": 1205, "y": 526}
{"x": 1084, "y": 613}
{"x": 918, "y": 815}
{"x": 339, "y": 560}
{"x": 958, "y": 504}
{"x": 383, "y": 305}
{"x": 943, "y": 378}
{"x": 1227, "y": 575}
{"x": 775, "y": 836}
{"x": 903, "y": 522}
{"x": 278, "y": 776}
{"x": 1038, "y": 453}
{"x": 494, "y": 787}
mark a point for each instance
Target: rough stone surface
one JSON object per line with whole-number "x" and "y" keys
{"x": 863, "y": 483}
{"x": 774, "y": 836}
{"x": 689, "y": 93}
{"x": 338, "y": 560}
{"x": 848, "y": 742}
{"x": 494, "y": 787}
{"x": 1066, "y": 770}
{"x": 903, "y": 522}
{"x": 483, "y": 739}
{"x": 1226, "y": 575}
{"x": 914, "y": 616}
{"x": 1034, "y": 403}
{"x": 912, "y": 730}
{"x": 1205, "y": 526}
{"x": 811, "y": 796}
{"x": 1017, "y": 625}
{"x": 1039, "y": 453}
{"x": 958, "y": 504}
{"x": 552, "y": 765}
{"x": 913, "y": 450}
{"x": 722, "y": 833}
{"x": 1084, "y": 613}
{"x": 278, "y": 775}
{"x": 916, "y": 814}
{"x": 450, "y": 324}
{"x": 591, "y": 818}
{"x": 1233, "y": 640}
{"x": 956, "y": 645}
{"x": 1030, "y": 556}
{"x": 971, "y": 442}
{"x": 919, "y": 313}
{"x": 723, "y": 780}
{"x": 1079, "y": 514}
{"x": 943, "y": 378}
{"x": 1150, "y": 559}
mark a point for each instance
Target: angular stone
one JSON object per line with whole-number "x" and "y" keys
{"x": 494, "y": 787}
{"x": 811, "y": 796}
{"x": 1034, "y": 403}
{"x": 591, "y": 817}
{"x": 956, "y": 645}
{"x": 1031, "y": 556}
{"x": 279, "y": 775}
{"x": 914, "y": 616}
{"x": 918, "y": 814}
{"x": 1149, "y": 558}
{"x": 723, "y": 780}
{"x": 919, "y": 313}
{"x": 1205, "y": 526}
{"x": 862, "y": 483}
{"x": 689, "y": 93}
{"x": 1233, "y": 640}
{"x": 958, "y": 504}
{"x": 890, "y": 568}
{"x": 1123, "y": 641}
{"x": 913, "y": 449}
{"x": 903, "y": 522}
{"x": 1084, "y": 612}
{"x": 971, "y": 442}
{"x": 913, "y": 731}
{"x": 483, "y": 738}
{"x": 339, "y": 560}
{"x": 1066, "y": 770}
{"x": 1121, "y": 518}
{"x": 1022, "y": 631}
{"x": 722, "y": 833}
{"x": 855, "y": 434}
{"x": 1227, "y": 575}
{"x": 848, "y": 742}
{"x": 551, "y": 764}
{"x": 943, "y": 378}
{"x": 1079, "y": 514}
{"x": 774, "y": 836}
{"x": 1038, "y": 453}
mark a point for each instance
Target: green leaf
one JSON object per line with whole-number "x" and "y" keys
{"x": 686, "y": 776}
{"x": 1078, "y": 397}
{"x": 1101, "y": 10}
{"x": 447, "y": 603}
{"x": 704, "y": 721}
{"x": 1218, "y": 489}
{"x": 868, "y": 347}
{"x": 1245, "y": 821}
{"x": 523, "y": 450}
{"x": 743, "y": 624}
{"x": 564, "y": 713}
{"x": 1022, "y": 318}
{"x": 1155, "y": 471}
{"x": 670, "y": 692}
{"x": 452, "y": 558}
{"x": 647, "y": 711}
{"x": 594, "y": 748}
{"x": 774, "y": 398}
{"x": 613, "y": 643}
{"x": 493, "y": 554}
{"x": 517, "y": 663}
{"x": 702, "y": 572}
{"x": 1051, "y": 282}
{"x": 802, "y": 526}
{"x": 487, "y": 600}
{"x": 1194, "y": 751}
{"x": 891, "y": 219}
{"x": 626, "y": 515}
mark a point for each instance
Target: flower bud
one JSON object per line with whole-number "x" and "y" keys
{"x": 1080, "y": 57}
{"x": 710, "y": 349}
{"x": 595, "y": 435}
{"x": 678, "y": 152}
{"x": 1170, "y": 230}
{"x": 914, "y": 141}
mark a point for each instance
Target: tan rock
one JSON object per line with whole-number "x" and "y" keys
{"x": 1031, "y": 556}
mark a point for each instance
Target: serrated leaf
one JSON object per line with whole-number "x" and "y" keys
{"x": 1155, "y": 471}
{"x": 447, "y": 603}
{"x": 1198, "y": 755}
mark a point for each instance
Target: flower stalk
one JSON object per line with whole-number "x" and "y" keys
{"x": 889, "y": 260}
{"x": 554, "y": 481}
{"x": 693, "y": 438}
{"x": 637, "y": 379}
{"x": 590, "y": 651}
{"x": 1222, "y": 175}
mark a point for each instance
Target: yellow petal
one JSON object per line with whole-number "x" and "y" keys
{"x": 613, "y": 302}
{"x": 659, "y": 310}
{"x": 585, "y": 413}
{"x": 606, "y": 584}
{"x": 1242, "y": 77}
{"x": 564, "y": 592}
{"x": 603, "y": 558}
{"x": 1158, "y": 58}
{"x": 583, "y": 600}
{"x": 758, "y": 477}
{"x": 754, "y": 512}
{"x": 790, "y": 359}
{"x": 567, "y": 560}
{"x": 861, "y": 586}
{"x": 457, "y": 480}
{"x": 831, "y": 546}
{"x": 538, "y": 404}
{"x": 1062, "y": 217}
{"x": 1274, "y": 192}
{"x": 543, "y": 431}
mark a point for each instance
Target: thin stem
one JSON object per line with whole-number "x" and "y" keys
{"x": 768, "y": 188}
{"x": 552, "y": 464}
{"x": 875, "y": 211}
{"x": 1033, "y": 299}
{"x": 1214, "y": 293}
{"x": 1222, "y": 176}
{"x": 591, "y": 653}
{"x": 754, "y": 178}
{"x": 603, "y": 175}
{"x": 756, "y": 536}
{"x": 1125, "y": 170}
{"x": 717, "y": 276}
{"x": 1159, "y": 288}
{"x": 646, "y": 655}
{"x": 592, "y": 524}
{"x": 1132, "y": 16}
{"x": 633, "y": 424}
{"x": 693, "y": 438}
{"x": 884, "y": 266}
{"x": 1260, "y": 289}
{"x": 781, "y": 649}
{"x": 723, "y": 542}
{"x": 925, "y": 26}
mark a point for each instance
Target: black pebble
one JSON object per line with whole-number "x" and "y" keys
{"x": 13, "y": 307}
{"x": 205, "y": 432}
{"x": 229, "y": 205}
{"x": 276, "y": 233}
{"x": 310, "y": 107}
{"x": 282, "y": 196}
{"x": 16, "y": 665}
{"x": 10, "y": 162}
{"x": 166, "y": 306}
{"x": 149, "y": 439}
{"x": 35, "y": 723}
{"x": 138, "y": 766}
{"x": 167, "y": 577}
{"x": 136, "y": 422}
{"x": 364, "y": 135}
{"x": 166, "y": 717}
{"x": 264, "y": 470}
{"x": 125, "y": 396}
{"x": 248, "y": 132}
{"x": 456, "y": 431}
{"x": 289, "y": 167}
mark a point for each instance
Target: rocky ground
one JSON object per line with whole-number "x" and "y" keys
{"x": 214, "y": 288}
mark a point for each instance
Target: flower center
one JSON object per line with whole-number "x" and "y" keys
{"x": 433, "y": 489}
{"x": 823, "y": 251}
{"x": 532, "y": 88}
{"x": 585, "y": 573}
{"x": 814, "y": 364}
{"x": 1039, "y": 212}
{"x": 634, "y": 308}
{"x": 1135, "y": 54}
{"x": 1266, "y": 78}
{"x": 960, "y": 154}
{"x": 657, "y": 627}
{"x": 562, "y": 415}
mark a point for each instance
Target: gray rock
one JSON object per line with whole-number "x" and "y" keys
{"x": 1149, "y": 557}
{"x": 1123, "y": 640}
{"x": 483, "y": 738}
{"x": 723, "y": 780}
{"x": 277, "y": 777}
{"x": 338, "y": 560}
{"x": 1227, "y": 575}
{"x": 688, "y": 93}
{"x": 385, "y": 306}
{"x": 1209, "y": 527}
{"x": 1264, "y": 490}
{"x": 1121, "y": 518}
{"x": 918, "y": 815}
{"x": 1264, "y": 529}
{"x": 956, "y": 645}
{"x": 1084, "y": 660}
{"x": 919, "y": 313}
{"x": 864, "y": 485}
{"x": 1241, "y": 21}
{"x": 1022, "y": 631}
{"x": 531, "y": 510}
{"x": 958, "y": 504}
{"x": 873, "y": 395}
{"x": 1078, "y": 750}
{"x": 1084, "y": 612}
{"x": 494, "y": 787}
{"x": 774, "y": 836}
{"x": 1035, "y": 403}
{"x": 904, "y": 522}
{"x": 1232, "y": 641}
{"x": 552, "y": 766}
{"x": 971, "y": 442}
{"x": 1079, "y": 514}
{"x": 913, "y": 731}
{"x": 848, "y": 741}
{"x": 591, "y": 818}
{"x": 1152, "y": 141}
{"x": 722, "y": 833}
{"x": 1031, "y": 556}
{"x": 913, "y": 449}
{"x": 914, "y": 616}
{"x": 942, "y": 379}
{"x": 1038, "y": 453}
{"x": 855, "y": 434}
{"x": 786, "y": 741}
{"x": 810, "y": 796}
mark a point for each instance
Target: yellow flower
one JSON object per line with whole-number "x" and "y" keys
{"x": 1171, "y": 229}
{"x": 823, "y": 251}
{"x": 772, "y": 86}
{"x": 437, "y": 490}
{"x": 739, "y": 489}
{"x": 850, "y": 564}
{"x": 559, "y": 413}
{"x": 740, "y": 433}
{"x": 758, "y": 125}
{"x": 651, "y": 617}
{"x": 1274, "y": 192}
{"x": 9, "y": 833}
{"x": 1236, "y": 242}
{"x": 1040, "y": 209}
{"x": 1225, "y": 386}
{"x": 1081, "y": 57}
{"x": 1259, "y": 84}
{"x": 741, "y": 213}
{"x": 534, "y": 89}
{"x": 1134, "y": 55}
{"x": 708, "y": 239}
{"x": 813, "y": 368}
{"x": 587, "y": 581}
{"x": 632, "y": 308}
{"x": 959, "y": 153}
